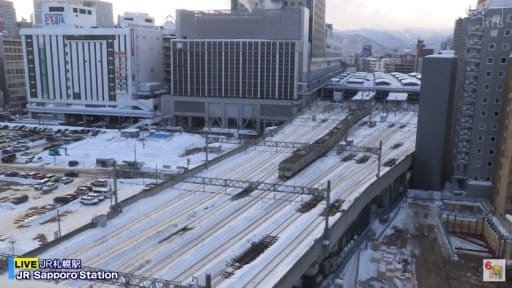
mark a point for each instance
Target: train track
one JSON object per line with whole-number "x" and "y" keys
{"x": 118, "y": 233}
{"x": 142, "y": 220}
{"x": 276, "y": 218}
{"x": 261, "y": 275}
{"x": 246, "y": 231}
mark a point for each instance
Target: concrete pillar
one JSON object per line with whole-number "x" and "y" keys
{"x": 508, "y": 250}
{"x": 189, "y": 122}
{"x": 396, "y": 189}
{"x": 479, "y": 227}
{"x": 313, "y": 269}
{"x": 385, "y": 196}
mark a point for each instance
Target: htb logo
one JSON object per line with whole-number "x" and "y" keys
{"x": 494, "y": 270}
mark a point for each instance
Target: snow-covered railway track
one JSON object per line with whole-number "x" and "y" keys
{"x": 146, "y": 219}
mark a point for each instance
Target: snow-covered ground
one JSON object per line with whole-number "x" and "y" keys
{"x": 74, "y": 214}
{"x": 154, "y": 152}
{"x": 219, "y": 229}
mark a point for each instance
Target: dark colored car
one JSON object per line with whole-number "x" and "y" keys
{"x": 73, "y": 195}
{"x": 71, "y": 174}
{"x": 11, "y": 174}
{"x": 73, "y": 163}
{"x": 62, "y": 199}
{"x": 18, "y": 199}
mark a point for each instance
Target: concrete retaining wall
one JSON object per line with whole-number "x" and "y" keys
{"x": 501, "y": 247}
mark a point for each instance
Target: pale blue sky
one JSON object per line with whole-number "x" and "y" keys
{"x": 344, "y": 14}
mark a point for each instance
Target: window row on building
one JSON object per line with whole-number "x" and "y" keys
{"x": 235, "y": 68}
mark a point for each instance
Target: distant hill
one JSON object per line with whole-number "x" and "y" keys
{"x": 387, "y": 40}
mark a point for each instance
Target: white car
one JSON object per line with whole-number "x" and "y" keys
{"x": 88, "y": 200}
{"x": 98, "y": 196}
{"x": 103, "y": 191}
{"x": 66, "y": 180}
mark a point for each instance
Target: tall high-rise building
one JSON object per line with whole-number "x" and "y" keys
{"x": 12, "y": 74}
{"x": 502, "y": 186}
{"x": 432, "y": 163}
{"x": 483, "y": 42}
{"x": 316, "y": 21}
{"x": 421, "y": 52}
{"x": 8, "y": 19}
{"x": 104, "y": 10}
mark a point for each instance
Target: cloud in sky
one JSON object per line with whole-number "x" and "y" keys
{"x": 344, "y": 14}
{"x": 393, "y": 14}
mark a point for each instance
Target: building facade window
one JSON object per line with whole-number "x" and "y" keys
{"x": 490, "y": 60}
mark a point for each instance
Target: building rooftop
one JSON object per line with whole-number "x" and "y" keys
{"x": 485, "y": 4}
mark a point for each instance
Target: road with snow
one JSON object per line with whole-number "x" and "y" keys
{"x": 190, "y": 230}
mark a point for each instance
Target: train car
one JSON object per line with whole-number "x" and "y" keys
{"x": 301, "y": 158}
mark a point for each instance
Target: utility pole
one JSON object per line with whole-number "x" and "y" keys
{"x": 380, "y": 159}
{"x": 58, "y": 222}
{"x": 116, "y": 206}
{"x": 328, "y": 204}
{"x": 135, "y": 154}
{"x": 156, "y": 172}
{"x": 206, "y": 139}
{"x": 12, "y": 246}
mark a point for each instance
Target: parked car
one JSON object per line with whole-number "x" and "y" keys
{"x": 96, "y": 195}
{"x": 39, "y": 176}
{"x": 88, "y": 200}
{"x": 84, "y": 189}
{"x": 73, "y": 195}
{"x": 100, "y": 183}
{"x": 71, "y": 174}
{"x": 43, "y": 181}
{"x": 49, "y": 187}
{"x": 105, "y": 191}
{"x": 62, "y": 199}
{"x": 18, "y": 199}
{"x": 11, "y": 174}
{"x": 73, "y": 163}
{"x": 66, "y": 180}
